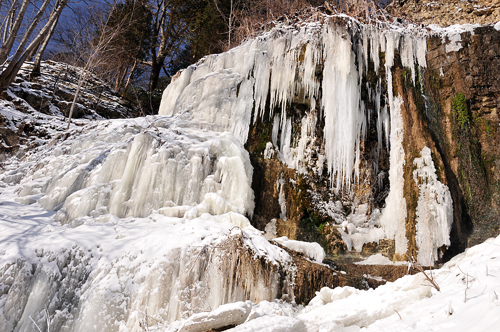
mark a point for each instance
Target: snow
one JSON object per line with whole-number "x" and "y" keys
{"x": 468, "y": 301}
{"x": 497, "y": 26}
{"x": 451, "y": 36}
{"x": 311, "y": 249}
{"x": 228, "y": 314}
{"x": 271, "y": 324}
{"x": 117, "y": 265}
{"x": 378, "y": 259}
{"x": 127, "y": 217}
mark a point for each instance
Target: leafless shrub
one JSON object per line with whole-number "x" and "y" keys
{"x": 430, "y": 278}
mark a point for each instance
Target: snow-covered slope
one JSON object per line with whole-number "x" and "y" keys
{"x": 130, "y": 216}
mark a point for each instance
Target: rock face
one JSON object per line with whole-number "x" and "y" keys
{"x": 329, "y": 112}
{"x": 451, "y": 108}
{"x": 462, "y": 113}
{"x": 447, "y": 12}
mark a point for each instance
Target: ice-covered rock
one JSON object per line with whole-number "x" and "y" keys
{"x": 311, "y": 249}
{"x": 225, "y": 315}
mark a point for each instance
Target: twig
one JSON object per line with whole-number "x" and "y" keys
{"x": 466, "y": 287}
{"x": 35, "y": 324}
{"x": 419, "y": 268}
{"x": 398, "y": 314}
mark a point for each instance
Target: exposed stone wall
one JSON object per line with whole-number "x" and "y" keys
{"x": 463, "y": 114}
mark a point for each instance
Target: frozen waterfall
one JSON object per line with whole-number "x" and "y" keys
{"x": 283, "y": 64}
{"x": 126, "y": 218}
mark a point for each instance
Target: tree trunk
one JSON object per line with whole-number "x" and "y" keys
{"x": 120, "y": 77}
{"x": 156, "y": 65}
{"x": 38, "y": 59}
{"x": 130, "y": 74}
{"x": 7, "y": 46}
{"x": 9, "y": 19}
{"x": 29, "y": 31}
{"x": 75, "y": 98}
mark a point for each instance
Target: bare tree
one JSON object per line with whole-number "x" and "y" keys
{"x": 12, "y": 27}
{"x": 171, "y": 28}
{"x": 23, "y": 52}
{"x": 94, "y": 57}
{"x": 229, "y": 18}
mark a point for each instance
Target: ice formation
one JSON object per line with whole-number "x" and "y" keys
{"x": 283, "y": 65}
{"x": 131, "y": 169}
{"x": 106, "y": 274}
{"x": 154, "y": 210}
{"x": 434, "y": 210}
{"x": 394, "y": 214}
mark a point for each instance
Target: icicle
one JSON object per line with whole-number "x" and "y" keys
{"x": 276, "y": 129}
{"x": 394, "y": 214}
{"x": 311, "y": 85}
{"x": 343, "y": 118}
{"x": 286, "y": 140}
{"x": 284, "y": 61}
{"x": 281, "y": 197}
{"x": 262, "y": 75}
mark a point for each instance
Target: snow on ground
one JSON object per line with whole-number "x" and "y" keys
{"x": 116, "y": 269}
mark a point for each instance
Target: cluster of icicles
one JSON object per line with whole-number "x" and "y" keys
{"x": 230, "y": 90}
{"x": 259, "y": 80}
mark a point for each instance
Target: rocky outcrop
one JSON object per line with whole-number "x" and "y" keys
{"x": 447, "y": 12}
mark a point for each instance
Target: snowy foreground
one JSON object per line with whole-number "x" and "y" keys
{"x": 123, "y": 220}
{"x": 130, "y": 256}
{"x": 468, "y": 301}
